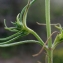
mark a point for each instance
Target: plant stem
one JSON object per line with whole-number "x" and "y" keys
{"x": 48, "y": 28}
{"x": 37, "y": 36}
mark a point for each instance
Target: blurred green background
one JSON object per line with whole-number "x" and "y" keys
{"x": 23, "y": 53}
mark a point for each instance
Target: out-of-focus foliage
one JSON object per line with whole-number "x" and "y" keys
{"x": 58, "y": 56}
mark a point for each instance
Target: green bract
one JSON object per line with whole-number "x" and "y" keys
{"x": 20, "y": 28}
{"x": 59, "y": 37}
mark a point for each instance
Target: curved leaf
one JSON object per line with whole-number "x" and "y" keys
{"x": 21, "y": 42}
{"x": 10, "y": 37}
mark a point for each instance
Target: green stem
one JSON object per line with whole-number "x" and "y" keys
{"x": 37, "y": 37}
{"x": 35, "y": 34}
{"x": 48, "y": 28}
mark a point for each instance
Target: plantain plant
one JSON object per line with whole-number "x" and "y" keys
{"x": 21, "y": 29}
